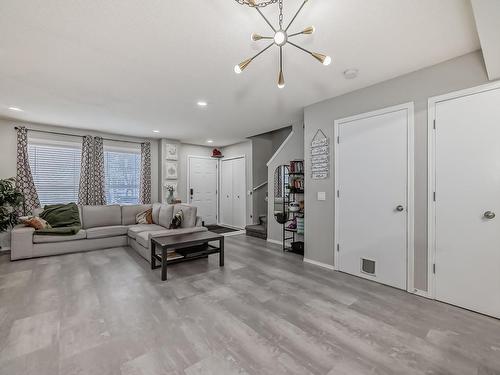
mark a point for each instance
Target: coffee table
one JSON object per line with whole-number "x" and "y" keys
{"x": 187, "y": 246}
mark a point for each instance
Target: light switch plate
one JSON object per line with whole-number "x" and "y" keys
{"x": 321, "y": 196}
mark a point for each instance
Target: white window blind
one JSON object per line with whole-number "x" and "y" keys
{"x": 56, "y": 171}
{"x": 122, "y": 170}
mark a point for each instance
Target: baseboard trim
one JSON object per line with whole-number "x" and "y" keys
{"x": 275, "y": 242}
{"x": 319, "y": 264}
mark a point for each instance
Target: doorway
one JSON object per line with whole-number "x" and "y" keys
{"x": 374, "y": 196}
{"x": 464, "y": 199}
{"x": 202, "y": 187}
{"x": 232, "y": 196}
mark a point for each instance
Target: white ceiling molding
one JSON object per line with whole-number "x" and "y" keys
{"x": 487, "y": 15}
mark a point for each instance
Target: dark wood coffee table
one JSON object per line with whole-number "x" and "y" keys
{"x": 187, "y": 246}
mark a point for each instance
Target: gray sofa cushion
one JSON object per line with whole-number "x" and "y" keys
{"x": 101, "y": 216}
{"x": 189, "y": 213}
{"x": 81, "y": 235}
{"x": 166, "y": 215}
{"x": 130, "y": 211}
{"x": 135, "y": 229}
{"x": 144, "y": 237}
{"x": 111, "y": 231}
{"x": 156, "y": 213}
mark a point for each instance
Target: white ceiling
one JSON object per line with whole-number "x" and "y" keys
{"x": 132, "y": 66}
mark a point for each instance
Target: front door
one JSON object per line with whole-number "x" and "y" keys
{"x": 372, "y": 203}
{"x": 203, "y": 187}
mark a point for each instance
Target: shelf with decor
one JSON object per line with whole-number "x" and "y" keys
{"x": 293, "y": 207}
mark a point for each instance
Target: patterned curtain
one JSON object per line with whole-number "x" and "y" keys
{"x": 145, "y": 184}
{"x": 24, "y": 178}
{"x": 92, "y": 185}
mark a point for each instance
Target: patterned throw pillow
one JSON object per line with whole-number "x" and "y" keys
{"x": 145, "y": 217}
{"x": 35, "y": 222}
{"x": 177, "y": 220}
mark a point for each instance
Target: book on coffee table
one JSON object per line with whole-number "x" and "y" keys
{"x": 173, "y": 255}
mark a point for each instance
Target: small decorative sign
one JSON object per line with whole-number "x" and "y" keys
{"x": 320, "y": 156}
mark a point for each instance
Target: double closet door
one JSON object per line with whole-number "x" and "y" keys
{"x": 465, "y": 199}
{"x": 232, "y": 196}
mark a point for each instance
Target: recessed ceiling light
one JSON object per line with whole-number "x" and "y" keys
{"x": 202, "y": 103}
{"x": 351, "y": 73}
{"x": 156, "y": 131}
{"x": 16, "y": 109}
{"x": 210, "y": 141}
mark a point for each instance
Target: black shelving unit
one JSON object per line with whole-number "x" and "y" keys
{"x": 293, "y": 189}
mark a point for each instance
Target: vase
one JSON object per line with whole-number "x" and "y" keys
{"x": 170, "y": 198}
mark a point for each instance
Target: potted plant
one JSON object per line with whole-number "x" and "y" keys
{"x": 10, "y": 200}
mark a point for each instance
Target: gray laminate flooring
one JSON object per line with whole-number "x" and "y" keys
{"x": 265, "y": 312}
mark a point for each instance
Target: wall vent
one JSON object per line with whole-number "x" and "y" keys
{"x": 368, "y": 266}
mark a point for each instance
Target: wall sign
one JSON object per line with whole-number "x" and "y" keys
{"x": 320, "y": 156}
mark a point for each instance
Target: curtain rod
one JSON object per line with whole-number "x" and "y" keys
{"x": 76, "y": 135}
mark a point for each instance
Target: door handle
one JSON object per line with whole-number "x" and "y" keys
{"x": 489, "y": 215}
{"x": 191, "y": 191}
{"x": 400, "y": 208}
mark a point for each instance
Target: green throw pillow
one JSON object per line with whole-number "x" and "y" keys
{"x": 61, "y": 215}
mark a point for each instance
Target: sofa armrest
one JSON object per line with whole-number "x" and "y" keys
{"x": 21, "y": 242}
{"x": 199, "y": 221}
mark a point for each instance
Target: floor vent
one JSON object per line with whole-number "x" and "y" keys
{"x": 368, "y": 266}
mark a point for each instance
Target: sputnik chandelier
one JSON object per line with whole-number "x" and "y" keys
{"x": 281, "y": 37}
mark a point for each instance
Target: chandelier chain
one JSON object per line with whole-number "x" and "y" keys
{"x": 262, "y": 4}
{"x": 280, "y": 3}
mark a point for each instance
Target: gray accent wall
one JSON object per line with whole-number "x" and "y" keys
{"x": 460, "y": 73}
{"x": 263, "y": 148}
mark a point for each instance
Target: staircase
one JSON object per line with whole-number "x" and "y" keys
{"x": 258, "y": 230}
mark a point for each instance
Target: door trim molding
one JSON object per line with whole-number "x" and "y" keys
{"x": 188, "y": 181}
{"x": 410, "y": 235}
{"x": 431, "y": 174}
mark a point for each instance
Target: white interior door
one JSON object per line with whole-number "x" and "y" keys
{"x": 239, "y": 196}
{"x": 233, "y": 197}
{"x": 203, "y": 187}
{"x": 372, "y": 208}
{"x": 226, "y": 192}
{"x": 467, "y": 186}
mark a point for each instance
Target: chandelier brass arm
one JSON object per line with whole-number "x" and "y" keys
{"x": 296, "y": 14}
{"x": 308, "y": 30}
{"x": 325, "y": 60}
{"x": 265, "y": 19}
{"x": 242, "y": 65}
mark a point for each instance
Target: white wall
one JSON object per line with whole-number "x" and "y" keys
{"x": 8, "y": 147}
{"x": 293, "y": 149}
{"x": 463, "y": 72}
{"x": 244, "y": 149}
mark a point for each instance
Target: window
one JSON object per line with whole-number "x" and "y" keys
{"x": 55, "y": 166}
{"x": 56, "y": 170}
{"x": 122, "y": 170}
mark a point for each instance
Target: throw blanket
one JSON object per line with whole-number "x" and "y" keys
{"x": 63, "y": 218}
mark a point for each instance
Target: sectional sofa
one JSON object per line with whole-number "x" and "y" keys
{"x": 105, "y": 227}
